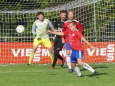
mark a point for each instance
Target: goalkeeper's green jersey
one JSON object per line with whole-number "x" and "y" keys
{"x": 40, "y": 28}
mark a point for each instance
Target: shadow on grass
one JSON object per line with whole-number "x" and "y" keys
{"x": 96, "y": 75}
{"x": 100, "y": 66}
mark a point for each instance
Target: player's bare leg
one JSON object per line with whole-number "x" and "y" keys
{"x": 68, "y": 60}
{"x": 51, "y": 53}
{"x": 85, "y": 65}
{"x": 76, "y": 69}
{"x": 32, "y": 54}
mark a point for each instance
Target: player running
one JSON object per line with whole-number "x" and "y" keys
{"x": 75, "y": 45}
{"x": 39, "y": 29}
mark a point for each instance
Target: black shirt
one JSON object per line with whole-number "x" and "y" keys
{"x": 58, "y": 24}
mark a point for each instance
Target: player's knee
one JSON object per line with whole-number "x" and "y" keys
{"x": 73, "y": 65}
{"x": 50, "y": 49}
{"x": 35, "y": 48}
{"x": 79, "y": 62}
{"x": 68, "y": 52}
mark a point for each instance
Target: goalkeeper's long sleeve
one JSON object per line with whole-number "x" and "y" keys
{"x": 34, "y": 29}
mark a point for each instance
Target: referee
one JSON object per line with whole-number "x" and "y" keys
{"x": 58, "y": 42}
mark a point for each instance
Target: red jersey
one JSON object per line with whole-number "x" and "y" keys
{"x": 74, "y": 38}
{"x": 79, "y": 26}
{"x": 67, "y": 35}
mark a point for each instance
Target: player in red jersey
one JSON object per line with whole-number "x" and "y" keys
{"x": 75, "y": 37}
{"x": 71, "y": 17}
{"x": 77, "y": 50}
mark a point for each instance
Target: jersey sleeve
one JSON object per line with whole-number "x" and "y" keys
{"x": 50, "y": 25}
{"x": 34, "y": 28}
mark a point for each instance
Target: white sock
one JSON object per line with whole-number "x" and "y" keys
{"x": 77, "y": 70}
{"x": 68, "y": 60}
{"x": 86, "y": 66}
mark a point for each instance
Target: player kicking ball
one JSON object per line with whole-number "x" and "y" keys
{"x": 39, "y": 29}
{"x": 76, "y": 47}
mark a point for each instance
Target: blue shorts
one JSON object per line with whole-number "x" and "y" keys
{"x": 67, "y": 46}
{"x": 76, "y": 54}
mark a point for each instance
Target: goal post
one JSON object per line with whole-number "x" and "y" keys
{"x": 97, "y": 16}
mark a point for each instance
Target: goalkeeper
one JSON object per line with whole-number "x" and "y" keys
{"x": 39, "y": 29}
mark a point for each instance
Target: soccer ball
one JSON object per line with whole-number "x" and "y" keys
{"x": 20, "y": 29}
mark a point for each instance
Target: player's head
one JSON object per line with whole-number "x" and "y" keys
{"x": 63, "y": 14}
{"x": 71, "y": 15}
{"x": 72, "y": 25}
{"x": 40, "y": 16}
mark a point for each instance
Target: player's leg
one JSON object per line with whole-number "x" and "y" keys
{"x": 62, "y": 59}
{"x": 36, "y": 43}
{"x": 57, "y": 47}
{"x": 56, "y": 56}
{"x": 86, "y": 66}
{"x": 68, "y": 56}
{"x": 55, "y": 59}
{"x": 76, "y": 69}
{"x": 83, "y": 64}
{"x": 68, "y": 60}
{"x": 47, "y": 43}
{"x": 73, "y": 63}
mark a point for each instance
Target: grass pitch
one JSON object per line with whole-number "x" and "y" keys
{"x": 42, "y": 75}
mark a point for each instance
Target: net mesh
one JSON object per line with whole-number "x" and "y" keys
{"x": 97, "y": 16}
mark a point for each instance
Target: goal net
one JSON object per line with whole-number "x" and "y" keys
{"x": 97, "y": 16}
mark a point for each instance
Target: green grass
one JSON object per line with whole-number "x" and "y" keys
{"x": 42, "y": 75}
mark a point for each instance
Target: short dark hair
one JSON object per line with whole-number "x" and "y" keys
{"x": 63, "y": 11}
{"x": 39, "y": 13}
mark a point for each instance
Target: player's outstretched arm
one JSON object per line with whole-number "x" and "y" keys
{"x": 56, "y": 33}
{"x": 87, "y": 42}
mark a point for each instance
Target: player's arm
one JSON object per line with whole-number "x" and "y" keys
{"x": 83, "y": 39}
{"x": 56, "y": 33}
{"x": 50, "y": 25}
{"x": 34, "y": 28}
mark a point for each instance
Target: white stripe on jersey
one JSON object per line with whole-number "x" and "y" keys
{"x": 80, "y": 54}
